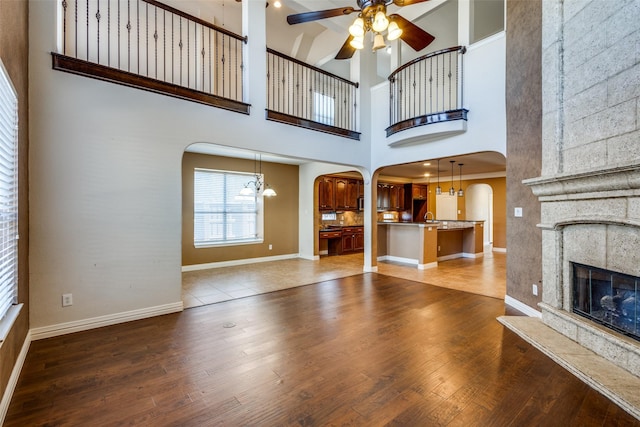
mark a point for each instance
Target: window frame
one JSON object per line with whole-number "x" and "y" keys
{"x": 9, "y": 214}
{"x": 259, "y": 210}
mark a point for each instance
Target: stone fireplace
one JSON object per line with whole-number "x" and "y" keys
{"x": 590, "y": 219}
{"x": 574, "y": 139}
{"x": 607, "y": 297}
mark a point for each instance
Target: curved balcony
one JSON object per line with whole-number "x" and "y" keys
{"x": 427, "y": 90}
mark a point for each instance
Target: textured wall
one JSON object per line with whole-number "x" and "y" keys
{"x": 524, "y": 133}
{"x": 280, "y": 218}
{"x": 14, "y": 43}
{"x": 591, "y": 75}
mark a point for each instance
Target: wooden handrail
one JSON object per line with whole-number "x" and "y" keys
{"x": 195, "y": 19}
{"x": 462, "y": 50}
{"x": 316, "y": 69}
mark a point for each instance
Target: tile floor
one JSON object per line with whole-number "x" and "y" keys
{"x": 484, "y": 276}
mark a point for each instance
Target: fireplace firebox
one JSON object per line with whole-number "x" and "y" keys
{"x": 607, "y": 297}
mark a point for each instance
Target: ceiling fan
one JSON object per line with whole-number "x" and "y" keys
{"x": 372, "y": 16}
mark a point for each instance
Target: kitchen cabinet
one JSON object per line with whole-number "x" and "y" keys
{"x": 346, "y": 194}
{"x": 352, "y": 239}
{"x": 390, "y": 197}
{"x": 383, "y": 200}
{"x": 396, "y": 197}
{"x": 326, "y": 193}
{"x": 419, "y": 192}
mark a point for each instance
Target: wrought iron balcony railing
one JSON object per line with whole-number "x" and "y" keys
{"x": 302, "y": 95}
{"x": 427, "y": 90}
{"x": 152, "y": 46}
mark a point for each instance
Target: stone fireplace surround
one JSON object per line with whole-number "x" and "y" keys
{"x": 591, "y": 218}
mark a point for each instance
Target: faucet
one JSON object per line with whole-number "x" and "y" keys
{"x": 426, "y": 216}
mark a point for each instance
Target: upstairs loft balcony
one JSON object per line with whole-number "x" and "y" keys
{"x": 151, "y": 46}
{"x": 148, "y": 45}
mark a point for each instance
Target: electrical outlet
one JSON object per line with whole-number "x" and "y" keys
{"x": 270, "y": 247}
{"x": 535, "y": 289}
{"x": 67, "y": 300}
{"x": 517, "y": 212}
{"x": 438, "y": 248}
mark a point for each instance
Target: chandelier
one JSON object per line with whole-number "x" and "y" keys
{"x": 374, "y": 19}
{"x": 253, "y": 187}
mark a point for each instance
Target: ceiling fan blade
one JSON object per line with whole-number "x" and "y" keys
{"x": 299, "y": 18}
{"x": 412, "y": 35}
{"x": 346, "y": 51}
{"x": 407, "y": 2}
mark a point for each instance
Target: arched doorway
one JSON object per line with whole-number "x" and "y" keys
{"x": 479, "y": 206}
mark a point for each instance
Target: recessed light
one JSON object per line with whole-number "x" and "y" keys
{"x": 277, "y": 4}
{"x": 427, "y": 174}
{"x": 426, "y": 164}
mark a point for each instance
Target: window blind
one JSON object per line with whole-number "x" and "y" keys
{"x": 8, "y": 193}
{"x": 220, "y": 214}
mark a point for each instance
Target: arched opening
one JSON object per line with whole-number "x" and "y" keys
{"x": 479, "y": 207}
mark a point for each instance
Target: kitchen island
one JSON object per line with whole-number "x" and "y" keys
{"x": 427, "y": 243}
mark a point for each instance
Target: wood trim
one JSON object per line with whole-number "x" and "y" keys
{"x": 311, "y": 67}
{"x": 125, "y": 78}
{"x": 445, "y": 116}
{"x": 195, "y": 19}
{"x": 462, "y": 50}
{"x": 310, "y": 124}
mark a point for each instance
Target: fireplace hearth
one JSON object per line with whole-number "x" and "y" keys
{"x": 607, "y": 297}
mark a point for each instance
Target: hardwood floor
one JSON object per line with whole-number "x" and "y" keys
{"x": 368, "y": 349}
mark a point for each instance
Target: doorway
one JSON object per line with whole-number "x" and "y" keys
{"x": 479, "y": 207}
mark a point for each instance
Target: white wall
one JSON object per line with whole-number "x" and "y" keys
{"x": 105, "y": 172}
{"x": 105, "y": 182}
{"x": 484, "y": 97}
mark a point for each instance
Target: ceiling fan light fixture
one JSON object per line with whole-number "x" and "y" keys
{"x": 393, "y": 32}
{"x": 357, "y": 42}
{"x": 357, "y": 28}
{"x": 378, "y": 42}
{"x": 380, "y": 22}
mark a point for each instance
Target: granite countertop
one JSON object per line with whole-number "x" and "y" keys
{"x": 441, "y": 224}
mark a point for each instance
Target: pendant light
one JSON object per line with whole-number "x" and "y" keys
{"x": 452, "y": 191}
{"x": 438, "y": 188}
{"x": 460, "y": 192}
{"x": 254, "y": 186}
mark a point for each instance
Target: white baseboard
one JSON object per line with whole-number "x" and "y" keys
{"x": 398, "y": 259}
{"x": 501, "y": 250}
{"x": 469, "y": 255}
{"x": 236, "y": 262}
{"x": 13, "y": 379}
{"x": 448, "y": 257}
{"x": 100, "y": 321}
{"x": 428, "y": 265}
{"x": 520, "y": 306}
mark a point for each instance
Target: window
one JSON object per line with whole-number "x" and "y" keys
{"x": 323, "y": 109}
{"x": 221, "y": 215}
{"x": 8, "y": 194}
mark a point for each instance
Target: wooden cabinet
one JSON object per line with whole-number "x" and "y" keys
{"x": 383, "y": 199}
{"x": 339, "y": 193}
{"x": 346, "y": 194}
{"x": 396, "y": 197}
{"x": 352, "y": 239}
{"x": 419, "y": 192}
{"x": 390, "y": 197}
{"x": 326, "y": 193}
{"x": 353, "y": 192}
